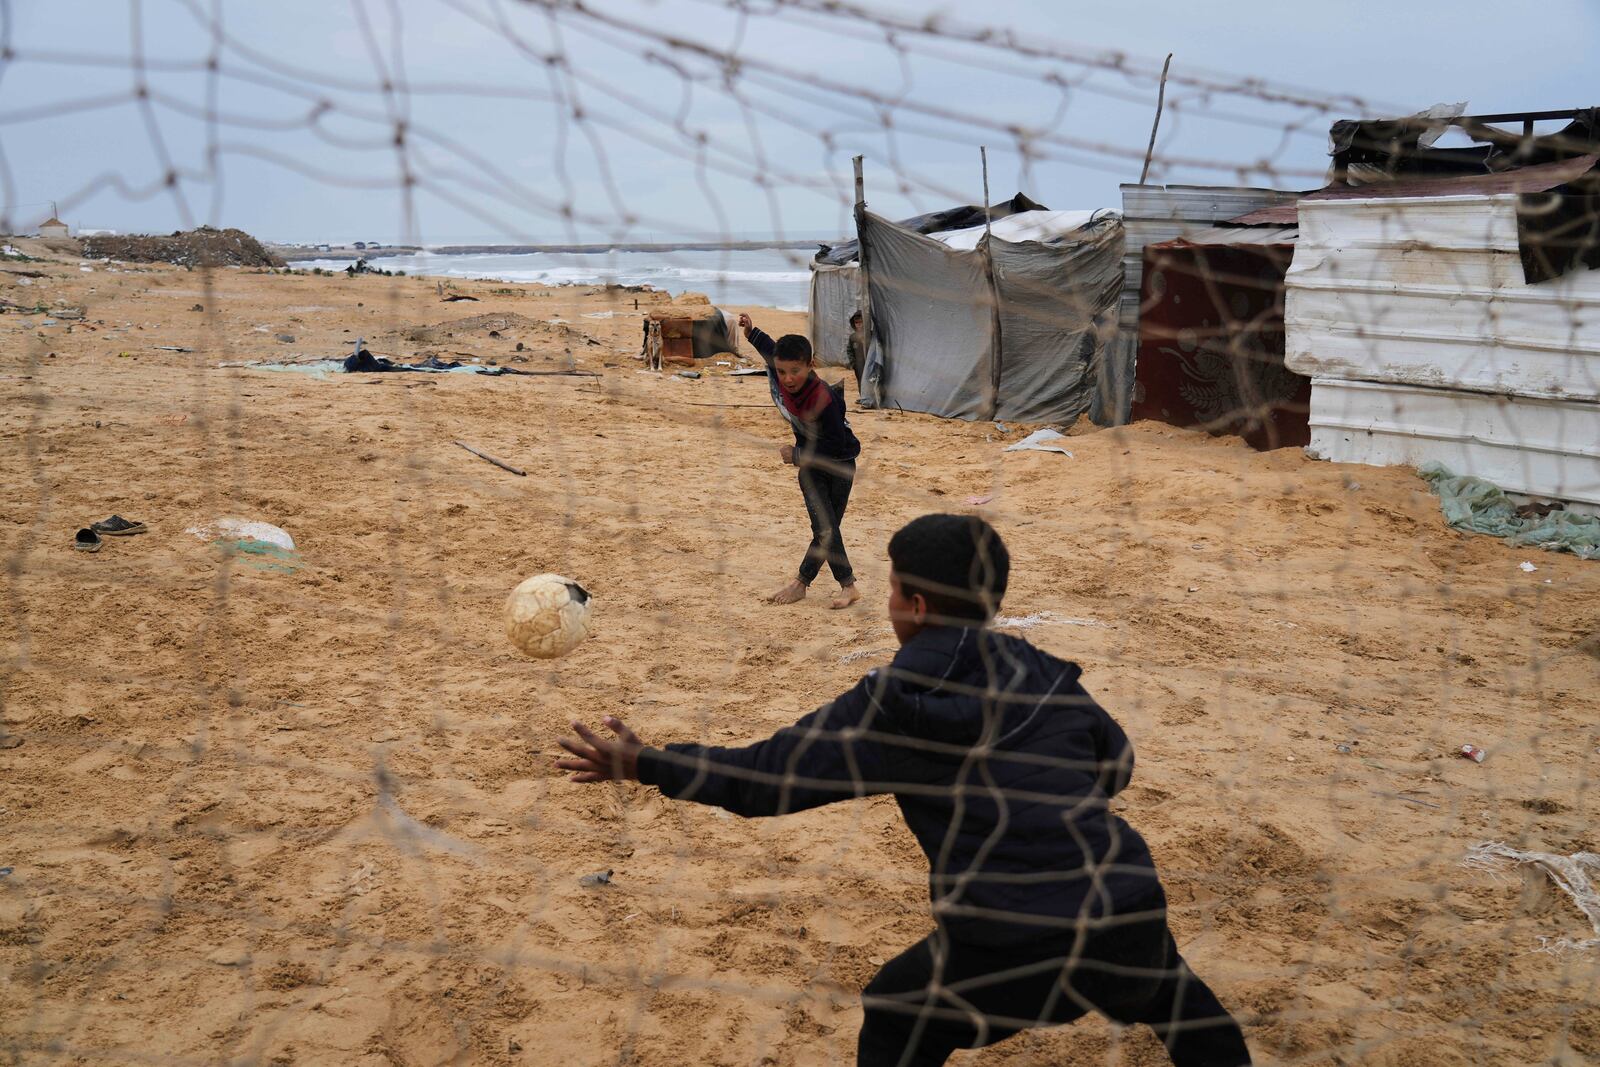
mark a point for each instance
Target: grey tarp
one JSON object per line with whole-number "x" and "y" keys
{"x": 932, "y": 315}
{"x": 835, "y": 296}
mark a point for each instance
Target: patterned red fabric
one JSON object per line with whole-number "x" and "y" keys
{"x": 1211, "y": 344}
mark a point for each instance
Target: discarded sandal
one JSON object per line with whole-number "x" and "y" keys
{"x": 117, "y": 526}
{"x": 87, "y": 540}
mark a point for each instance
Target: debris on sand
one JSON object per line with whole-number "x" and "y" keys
{"x": 201, "y": 247}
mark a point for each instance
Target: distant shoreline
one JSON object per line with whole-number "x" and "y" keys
{"x": 300, "y": 253}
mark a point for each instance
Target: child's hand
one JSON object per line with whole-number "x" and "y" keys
{"x": 745, "y": 322}
{"x": 597, "y": 759}
{"x": 787, "y": 452}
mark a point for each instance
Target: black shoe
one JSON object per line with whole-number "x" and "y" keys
{"x": 87, "y": 540}
{"x": 117, "y": 526}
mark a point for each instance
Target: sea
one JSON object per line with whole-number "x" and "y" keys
{"x": 764, "y": 277}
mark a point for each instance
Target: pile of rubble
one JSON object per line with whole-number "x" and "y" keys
{"x": 202, "y": 247}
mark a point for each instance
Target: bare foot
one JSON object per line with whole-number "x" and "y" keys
{"x": 848, "y": 594}
{"x": 792, "y": 593}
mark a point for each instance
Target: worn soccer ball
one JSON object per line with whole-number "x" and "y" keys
{"x": 547, "y": 615}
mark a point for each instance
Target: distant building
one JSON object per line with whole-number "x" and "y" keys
{"x": 53, "y": 227}
{"x": 324, "y": 248}
{"x": 360, "y": 245}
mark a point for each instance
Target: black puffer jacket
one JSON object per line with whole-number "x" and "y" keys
{"x": 1002, "y": 765}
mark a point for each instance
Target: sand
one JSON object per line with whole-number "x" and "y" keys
{"x": 304, "y": 811}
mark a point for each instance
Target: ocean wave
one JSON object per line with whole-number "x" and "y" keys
{"x": 741, "y": 277}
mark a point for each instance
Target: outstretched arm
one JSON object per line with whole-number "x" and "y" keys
{"x": 820, "y": 759}
{"x": 758, "y": 338}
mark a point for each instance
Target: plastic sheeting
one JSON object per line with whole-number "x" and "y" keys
{"x": 932, "y": 310}
{"x": 1476, "y": 505}
{"x": 835, "y": 296}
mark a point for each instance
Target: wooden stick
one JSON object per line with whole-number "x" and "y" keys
{"x": 1161, "y": 99}
{"x": 996, "y": 339}
{"x": 864, "y": 290}
{"x": 502, "y": 464}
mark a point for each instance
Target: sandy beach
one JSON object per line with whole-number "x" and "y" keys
{"x": 304, "y": 810}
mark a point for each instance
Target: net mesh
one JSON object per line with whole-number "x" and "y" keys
{"x": 297, "y": 803}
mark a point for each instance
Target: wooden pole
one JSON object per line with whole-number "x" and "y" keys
{"x": 502, "y": 464}
{"x": 864, "y": 299}
{"x": 1161, "y": 99}
{"x": 996, "y": 338}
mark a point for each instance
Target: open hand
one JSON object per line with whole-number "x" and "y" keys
{"x": 599, "y": 759}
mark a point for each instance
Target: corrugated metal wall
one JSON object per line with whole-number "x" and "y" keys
{"x": 1152, "y": 214}
{"x": 1412, "y": 317}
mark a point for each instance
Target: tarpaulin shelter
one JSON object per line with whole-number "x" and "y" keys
{"x": 972, "y": 324}
{"x": 836, "y": 274}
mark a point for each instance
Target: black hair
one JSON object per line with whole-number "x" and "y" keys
{"x": 793, "y": 346}
{"x": 854, "y": 315}
{"x": 957, "y": 562}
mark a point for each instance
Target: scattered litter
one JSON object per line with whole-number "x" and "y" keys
{"x": 1194, "y": 589}
{"x": 599, "y": 314}
{"x": 1039, "y": 441}
{"x": 87, "y": 270}
{"x": 243, "y": 530}
{"x": 979, "y": 501}
{"x": 1001, "y": 427}
{"x": 1576, "y": 875}
{"x": 172, "y": 348}
{"x": 723, "y": 363}
{"x": 1042, "y": 618}
{"x": 455, "y": 297}
{"x": 1527, "y": 566}
{"x": 597, "y": 878}
{"x": 1472, "y": 752}
{"x": 284, "y": 338}
{"x": 5, "y": 871}
{"x": 1345, "y": 747}
{"x": 749, "y": 372}
{"x": 688, "y": 374}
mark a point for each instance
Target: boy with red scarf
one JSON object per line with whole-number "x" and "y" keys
{"x": 825, "y": 450}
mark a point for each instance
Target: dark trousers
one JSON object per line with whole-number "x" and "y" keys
{"x": 1130, "y": 972}
{"x": 827, "y": 492}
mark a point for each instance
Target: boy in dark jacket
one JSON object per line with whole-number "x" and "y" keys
{"x": 1046, "y": 905}
{"x": 825, "y": 450}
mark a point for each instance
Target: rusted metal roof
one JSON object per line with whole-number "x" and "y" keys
{"x": 1536, "y": 179}
{"x": 1237, "y": 235}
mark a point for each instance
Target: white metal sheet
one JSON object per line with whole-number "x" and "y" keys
{"x": 1430, "y": 291}
{"x": 1535, "y": 447}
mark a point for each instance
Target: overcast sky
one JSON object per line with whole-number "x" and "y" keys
{"x": 499, "y": 120}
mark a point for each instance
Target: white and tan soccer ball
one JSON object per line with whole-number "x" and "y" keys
{"x": 547, "y": 616}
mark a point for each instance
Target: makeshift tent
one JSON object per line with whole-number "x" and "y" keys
{"x": 972, "y": 326}
{"x": 836, "y": 273}
{"x": 1006, "y": 330}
